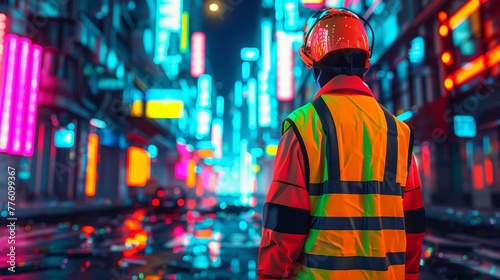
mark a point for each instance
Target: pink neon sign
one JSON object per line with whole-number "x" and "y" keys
{"x": 33, "y": 100}
{"x": 21, "y": 63}
{"x": 3, "y": 30}
{"x": 181, "y": 169}
{"x": 8, "y": 91}
{"x": 197, "y": 54}
{"x": 19, "y": 104}
{"x": 285, "y": 86}
{"x": 205, "y": 176}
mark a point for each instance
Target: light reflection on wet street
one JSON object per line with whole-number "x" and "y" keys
{"x": 142, "y": 244}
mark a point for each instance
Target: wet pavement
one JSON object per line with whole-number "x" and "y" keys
{"x": 189, "y": 244}
{"x": 138, "y": 245}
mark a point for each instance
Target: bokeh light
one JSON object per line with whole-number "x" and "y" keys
{"x": 213, "y": 7}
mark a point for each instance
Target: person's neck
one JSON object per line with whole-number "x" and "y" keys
{"x": 325, "y": 78}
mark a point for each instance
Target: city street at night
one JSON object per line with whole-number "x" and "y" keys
{"x": 250, "y": 139}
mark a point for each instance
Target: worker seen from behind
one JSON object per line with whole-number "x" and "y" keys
{"x": 345, "y": 201}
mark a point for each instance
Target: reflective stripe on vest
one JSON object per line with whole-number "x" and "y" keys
{"x": 357, "y": 228}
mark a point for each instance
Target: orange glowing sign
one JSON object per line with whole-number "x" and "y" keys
{"x": 207, "y": 153}
{"x": 92, "y": 159}
{"x": 138, "y": 167}
{"x": 204, "y": 233}
{"x": 463, "y": 13}
{"x": 493, "y": 56}
{"x": 470, "y": 70}
{"x": 191, "y": 176}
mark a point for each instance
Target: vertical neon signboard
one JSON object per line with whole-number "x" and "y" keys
{"x": 291, "y": 14}
{"x": 191, "y": 176}
{"x": 204, "y": 91}
{"x": 285, "y": 86}
{"x": 245, "y": 71}
{"x": 219, "y": 109}
{"x": 138, "y": 167}
{"x": 8, "y": 91}
{"x": 205, "y": 176}
{"x": 168, "y": 20}
{"x": 181, "y": 170}
{"x": 92, "y": 159}
{"x": 264, "y": 99}
{"x": 236, "y": 132}
{"x": 184, "y": 44}
{"x": 264, "y": 109}
{"x": 266, "y": 27}
{"x": 20, "y": 76}
{"x": 181, "y": 167}
{"x": 197, "y": 54}
{"x": 203, "y": 119}
{"x": 238, "y": 93}
{"x": 252, "y": 104}
{"x": 34, "y": 87}
{"x": 217, "y": 129}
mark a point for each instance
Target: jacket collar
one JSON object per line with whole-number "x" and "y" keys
{"x": 345, "y": 84}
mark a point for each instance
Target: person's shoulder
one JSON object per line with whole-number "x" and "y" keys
{"x": 297, "y": 117}
{"x": 300, "y": 111}
{"x": 402, "y": 125}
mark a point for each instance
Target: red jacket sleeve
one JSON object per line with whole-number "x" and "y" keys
{"x": 414, "y": 222}
{"x": 286, "y": 215}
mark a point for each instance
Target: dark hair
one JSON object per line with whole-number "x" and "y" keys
{"x": 340, "y": 58}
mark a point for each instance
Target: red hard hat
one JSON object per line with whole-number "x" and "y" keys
{"x": 333, "y": 29}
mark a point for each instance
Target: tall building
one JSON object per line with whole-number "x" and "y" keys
{"x": 78, "y": 120}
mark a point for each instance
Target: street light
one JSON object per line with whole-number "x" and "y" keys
{"x": 214, "y": 7}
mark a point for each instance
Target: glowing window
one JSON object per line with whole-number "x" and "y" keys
{"x": 138, "y": 167}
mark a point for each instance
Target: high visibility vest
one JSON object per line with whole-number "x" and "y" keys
{"x": 357, "y": 158}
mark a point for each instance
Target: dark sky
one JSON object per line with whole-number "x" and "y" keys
{"x": 233, "y": 27}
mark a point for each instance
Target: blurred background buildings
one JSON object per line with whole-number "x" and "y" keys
{"x": 104, "y": 101}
